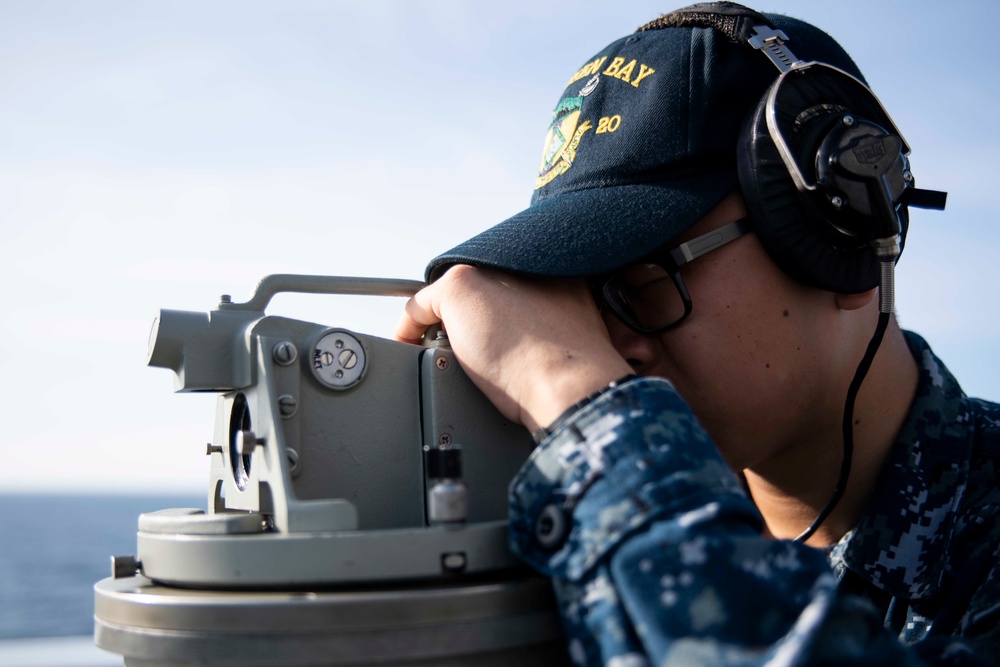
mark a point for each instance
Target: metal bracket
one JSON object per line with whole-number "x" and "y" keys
{"x": 307, "y": 284}
{"x": 772, "y": 42}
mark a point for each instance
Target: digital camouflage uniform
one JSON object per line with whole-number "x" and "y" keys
{"x": 661, "y": 562}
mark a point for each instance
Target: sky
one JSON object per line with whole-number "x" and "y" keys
{"x": 158, "y": 155}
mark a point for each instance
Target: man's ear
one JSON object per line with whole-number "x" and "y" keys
{"x": 855, "y": 301}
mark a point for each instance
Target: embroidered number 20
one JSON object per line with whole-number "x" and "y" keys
{"x": 608, "y": 124}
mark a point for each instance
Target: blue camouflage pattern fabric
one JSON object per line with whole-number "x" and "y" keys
{"x": 661, "y": 560}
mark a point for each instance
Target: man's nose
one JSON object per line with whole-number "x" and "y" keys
{"x": 639, "y": 350}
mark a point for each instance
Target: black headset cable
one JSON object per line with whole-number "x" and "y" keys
{"x": 886, "y": 301}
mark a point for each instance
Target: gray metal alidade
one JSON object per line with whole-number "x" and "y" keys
{"x": 356, "y": 510}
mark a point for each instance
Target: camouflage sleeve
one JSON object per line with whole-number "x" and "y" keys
{"x": 655, "y": 553}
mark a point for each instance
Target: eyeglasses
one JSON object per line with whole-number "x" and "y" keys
{"x": 651, "y": 296}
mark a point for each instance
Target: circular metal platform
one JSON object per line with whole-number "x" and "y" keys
{"x": 446, "y": 623}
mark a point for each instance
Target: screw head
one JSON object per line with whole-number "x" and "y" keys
{"x": 347, "y": 359}
{"x": 907, "y": 176}
{"x": 848, "y": 121}
{"x": 837, "y": 201}
{"x": 445, "y": 439}
{"x": 285, "y": 353}
{"x": 442, "y": 363}
{"x": 287, "y": 405}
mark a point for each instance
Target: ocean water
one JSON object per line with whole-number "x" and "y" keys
{"x": 53, "y": 548}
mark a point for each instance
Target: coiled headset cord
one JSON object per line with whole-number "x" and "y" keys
{"x": 886, "y": 299}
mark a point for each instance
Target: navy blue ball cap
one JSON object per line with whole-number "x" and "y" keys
{"x": 641, "y": 145}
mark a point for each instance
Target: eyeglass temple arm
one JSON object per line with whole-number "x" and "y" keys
{"x": 700, "y": 245}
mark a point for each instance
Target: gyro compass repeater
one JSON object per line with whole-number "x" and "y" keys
{"x": 356, "y": 506}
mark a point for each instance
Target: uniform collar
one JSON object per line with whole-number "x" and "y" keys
{"x": 900, "y": 542}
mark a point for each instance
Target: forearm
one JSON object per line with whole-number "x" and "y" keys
{"x": 663, "y": 556}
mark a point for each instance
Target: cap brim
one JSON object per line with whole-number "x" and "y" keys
{"x": 593, "y": 231}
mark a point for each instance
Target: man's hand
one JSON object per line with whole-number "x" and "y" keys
{"x": 533, "y": 346}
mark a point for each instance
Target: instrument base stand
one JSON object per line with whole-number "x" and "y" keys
{"x": 456, "y": 622}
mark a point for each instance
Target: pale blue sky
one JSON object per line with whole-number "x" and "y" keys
{"x": 160, "y": 154}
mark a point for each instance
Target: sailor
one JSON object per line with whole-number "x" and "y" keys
{"x": 682, "y": 317}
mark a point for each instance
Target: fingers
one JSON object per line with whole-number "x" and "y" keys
{"x": 533, "y": 347}
{"x": 418, "y": 314}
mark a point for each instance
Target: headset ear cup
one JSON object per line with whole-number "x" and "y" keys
{"x": 791, "y": 224}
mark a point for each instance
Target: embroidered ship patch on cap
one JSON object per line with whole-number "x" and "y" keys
{"x": 563, "y": 137}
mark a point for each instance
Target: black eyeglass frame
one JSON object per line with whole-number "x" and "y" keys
{"x": 671, "y": 260}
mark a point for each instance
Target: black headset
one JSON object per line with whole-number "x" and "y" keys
{"x": 822, "y": 168}
{"x": 824, "y": 174}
